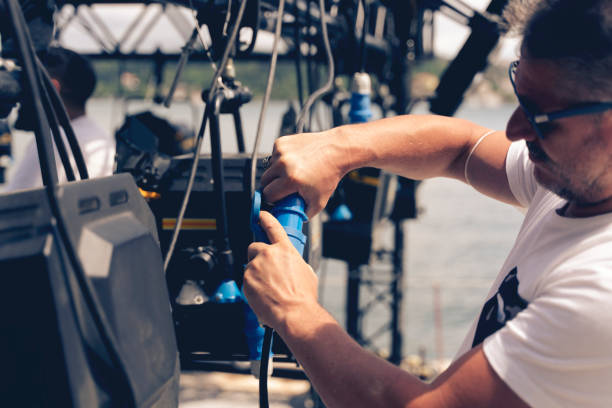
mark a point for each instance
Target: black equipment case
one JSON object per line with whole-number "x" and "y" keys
{"x": 50, "y": 352}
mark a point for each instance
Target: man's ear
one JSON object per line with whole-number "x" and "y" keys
{"x": 56, "y": 84}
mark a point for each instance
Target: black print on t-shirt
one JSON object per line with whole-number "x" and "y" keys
{"x": 503, "y": 306}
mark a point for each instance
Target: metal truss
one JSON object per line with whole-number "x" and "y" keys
{"x": 88, "y": 21}
{"x": 375, "y": 298}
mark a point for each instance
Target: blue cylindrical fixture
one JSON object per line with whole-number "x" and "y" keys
{"x": 253, "y": 332}
{"x": 360, "y": 98}
{"x": 360, "y": 108}
{"x": 290, "y": 214}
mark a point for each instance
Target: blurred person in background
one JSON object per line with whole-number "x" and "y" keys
{"x": 75, "y": 80}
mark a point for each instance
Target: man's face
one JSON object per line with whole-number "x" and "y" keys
{"x": 574, "y": 160}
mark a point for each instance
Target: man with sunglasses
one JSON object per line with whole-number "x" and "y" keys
{"x": 543, "y": 337}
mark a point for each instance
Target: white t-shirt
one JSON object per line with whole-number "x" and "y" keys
{"x": 547, "y": 324}
{"x": 97, "y": 146}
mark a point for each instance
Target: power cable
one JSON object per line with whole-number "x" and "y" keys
{"x": 207, "y": 111}
{"x": 57, "y": 135}
{"x": 364, "y": 31}
{"x": 298, "y": 54}
{"x": 64, "y": 122}
{"x": 263, "y": 372}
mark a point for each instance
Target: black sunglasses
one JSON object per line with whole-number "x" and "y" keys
{"x": 538, "y": 119}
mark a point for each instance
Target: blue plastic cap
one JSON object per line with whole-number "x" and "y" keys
{"x": 342, "y": 213}
{"x": 254, "y": 333}
{"x": 227, "y": 292}
{"x": 360, "y": 108}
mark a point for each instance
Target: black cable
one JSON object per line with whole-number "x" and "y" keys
{"x": 57, "y": 135}
{"x": 364, "y": 31}
{"x": 266, "y": 98}
{"x": 297, "y": 39}
{"x": 309, "y": 57}
{"x": 64, "y": 121}
{"x": 49, "y": 173}
{"x": 263, "y": 372}
{"x": 207, "y": 111}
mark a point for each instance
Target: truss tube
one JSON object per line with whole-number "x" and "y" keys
{"x": 353, "y": 315}
{"x": 132, "y": 26}
{"x": 102, "y": 26}
{"x": 397, "y": 305}
{"x": 87, "y": 26}
{"x": 147, "y": 29}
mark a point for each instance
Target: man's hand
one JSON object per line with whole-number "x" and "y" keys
{"x": 277, "y": 281}
{"x": 308, "y": 164}
{"x": 282, "y": 290}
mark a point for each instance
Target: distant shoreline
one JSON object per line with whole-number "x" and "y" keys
{"x": 135, "y": 80}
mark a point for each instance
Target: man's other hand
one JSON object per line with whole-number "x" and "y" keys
{"x": 277, "y": 281}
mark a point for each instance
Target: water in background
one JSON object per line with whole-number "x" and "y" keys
{"x": 458, "y": 242}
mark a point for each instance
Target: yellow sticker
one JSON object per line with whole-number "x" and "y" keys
{"x": 208, "y": 224}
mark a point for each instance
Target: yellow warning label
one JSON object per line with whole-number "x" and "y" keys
{"x": 151, "y": 195}
{"x": 190, "y": 224}
{"x": 368, "y": 180}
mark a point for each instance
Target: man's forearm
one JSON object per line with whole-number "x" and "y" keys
{"x": 414, "y": 146}
{"x": 344, "y": 374}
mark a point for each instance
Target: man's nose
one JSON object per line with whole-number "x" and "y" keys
{"x": 519, "y": 127}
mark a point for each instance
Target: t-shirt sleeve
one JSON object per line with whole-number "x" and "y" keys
{"x": 519, "y": 170}
{"x": 26, "y": 173}
{"x": 100, "y": 157}
{"x": 97, "y": 146}
{"x": 557, "y": 351}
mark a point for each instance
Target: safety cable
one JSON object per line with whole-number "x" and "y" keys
{"x": 266, "y": 98}
{"x": 49, "y": 174}
{"x": 207, "y": 111}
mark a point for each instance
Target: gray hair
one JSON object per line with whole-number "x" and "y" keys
{"x": 574, "y": 34}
